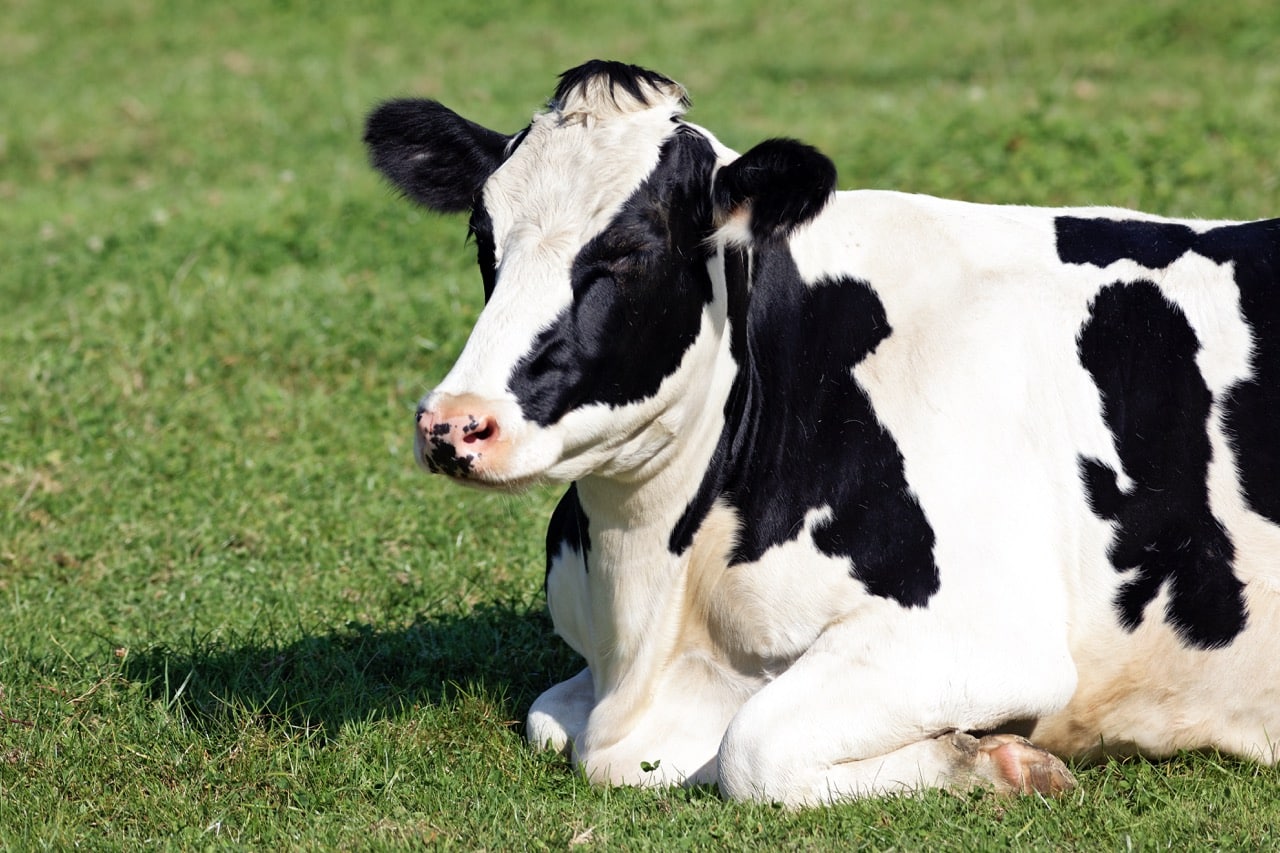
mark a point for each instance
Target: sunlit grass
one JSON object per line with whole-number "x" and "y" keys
{"x": 232, "y": 610}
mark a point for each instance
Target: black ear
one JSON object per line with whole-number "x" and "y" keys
{"x": 435, "y": 156}
{"x": 780, "y": 184}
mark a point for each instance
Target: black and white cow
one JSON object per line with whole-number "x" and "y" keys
{"x": 863, "y": 483}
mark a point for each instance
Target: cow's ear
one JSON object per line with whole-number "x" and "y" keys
{"x": 773, "y": 188}
{"x": 433, "y": 155}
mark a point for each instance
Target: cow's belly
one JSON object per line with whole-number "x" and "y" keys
{"x": 1149, "y": 693}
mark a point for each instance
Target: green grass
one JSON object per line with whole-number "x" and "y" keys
{"x": 233, "y": 613}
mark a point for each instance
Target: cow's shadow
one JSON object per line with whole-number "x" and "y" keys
{"x": 357, "y": 672}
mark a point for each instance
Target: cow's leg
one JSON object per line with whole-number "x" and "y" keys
{"x": 957, "y": 761}
{"x": 560, "y": 714}
{"x": 842, "y": 724}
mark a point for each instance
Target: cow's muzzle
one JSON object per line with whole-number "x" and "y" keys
{"x": 458, "y": 436}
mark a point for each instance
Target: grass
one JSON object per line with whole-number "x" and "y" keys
{"x": 232, "y": 613}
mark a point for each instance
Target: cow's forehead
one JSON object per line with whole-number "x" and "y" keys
{"x": 575, "y": 168}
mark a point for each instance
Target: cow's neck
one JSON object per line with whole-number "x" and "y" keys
{"x": 637, "y": 581}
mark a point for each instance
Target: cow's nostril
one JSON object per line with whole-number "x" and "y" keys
{"x": 483, "y": 432}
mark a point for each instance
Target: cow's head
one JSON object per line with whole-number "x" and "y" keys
{"x": 594, "y": 228}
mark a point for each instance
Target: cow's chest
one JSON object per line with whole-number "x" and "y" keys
{"x": 758, "y": 617}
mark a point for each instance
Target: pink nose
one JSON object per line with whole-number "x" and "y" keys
{"x": 454, "y": 439}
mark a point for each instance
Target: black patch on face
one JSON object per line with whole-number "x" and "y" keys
{"x": 1252, "y": 407}
{"x": 569, "y": 527}
{"x": 801, "y": 434}
{"x": 442, "y": 457}
{"x": 638, "y": 293}
{"x": 1140, "y": 351}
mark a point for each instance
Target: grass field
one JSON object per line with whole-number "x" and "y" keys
{"x": 233, "y": 613}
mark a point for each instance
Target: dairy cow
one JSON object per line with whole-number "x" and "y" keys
{"x": 869, "y": 492}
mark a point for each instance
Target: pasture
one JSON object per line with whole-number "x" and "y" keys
{"x": 234, "y": 613}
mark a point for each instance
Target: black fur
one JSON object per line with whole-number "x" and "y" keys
{"x": 638, "y": 293}
{"x": 783, "y": 182}
{"x": 433, "y": 155}
{"x": 1102, "y": 242}
{"x": 1252, "y": 406}
{"x": 801, "y": 434}
{"x": 1140, "y": 351}
{"x": 569, "y": 527}
{"x": 481, "y": 230}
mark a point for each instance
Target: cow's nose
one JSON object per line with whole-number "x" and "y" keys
{"x": 470, "y": 431}
{"x": 453, "y": 440}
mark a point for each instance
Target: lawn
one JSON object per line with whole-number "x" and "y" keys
{"x": 233, "y": 612}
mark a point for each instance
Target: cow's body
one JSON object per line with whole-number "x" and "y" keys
{"x": 853, "y": 480}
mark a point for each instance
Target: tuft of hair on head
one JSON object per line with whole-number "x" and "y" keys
{"x": 601, "y": 88}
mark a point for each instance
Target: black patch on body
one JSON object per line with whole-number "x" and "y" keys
{"x": 1140, "y": 351}
{"x": 639, "y": 289}
{"x": 801, "y": 433}
{"x": 569, "y": 527}
{"x": 1251, "y": 408}
{"x": 1102, "y": 242}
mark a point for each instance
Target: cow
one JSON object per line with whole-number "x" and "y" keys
{"x": 867, "y": 492}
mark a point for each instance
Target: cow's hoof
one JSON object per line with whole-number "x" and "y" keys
{"x": 1014, "y": 765}
{"x": 1007, "y": 764}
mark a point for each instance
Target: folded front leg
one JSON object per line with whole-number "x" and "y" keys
{"x": 837, "y": 727}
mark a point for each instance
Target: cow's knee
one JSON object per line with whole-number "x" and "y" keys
{"x": 753, "y": 765}
{"x": 559, "y": 715}
{"x": 544, "y": 731}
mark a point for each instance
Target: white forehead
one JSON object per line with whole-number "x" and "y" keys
{"x": 577, "y": 165}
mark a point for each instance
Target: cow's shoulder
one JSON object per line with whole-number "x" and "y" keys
{"x": 803, "y": 457}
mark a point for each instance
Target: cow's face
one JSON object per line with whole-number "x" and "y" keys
{"x": 593, "y": 228}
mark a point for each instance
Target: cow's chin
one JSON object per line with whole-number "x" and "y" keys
{"x": 509, "y": 470}
{"x": 483, "y": 483}
{"x": 490, "y": 481}
{"x": 589, "y": 442}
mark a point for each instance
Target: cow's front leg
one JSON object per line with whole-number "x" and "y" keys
{"x": 954, "y": 760}
{"x": 841, "y": 725}
{"x": 559, "y": 716}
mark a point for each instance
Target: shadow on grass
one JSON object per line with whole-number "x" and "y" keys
{"x": 358, "y": 672}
